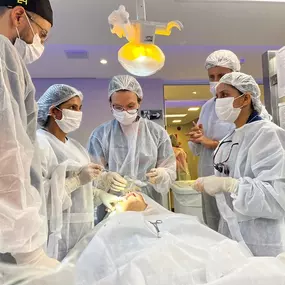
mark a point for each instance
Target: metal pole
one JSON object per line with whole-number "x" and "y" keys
{"x": 271, "y": 99}
{"x": 141, "y": 12}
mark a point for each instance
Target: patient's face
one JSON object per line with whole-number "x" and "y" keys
{"x": 132, "y": 202}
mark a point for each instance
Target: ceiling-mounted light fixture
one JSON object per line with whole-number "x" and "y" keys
{"x": 176, "y": 121}
{"x": 140, "y": 56}
{"x": 103, "y": 61}
{"x": 175, "y": 115}
{"x": 192, "y": 109}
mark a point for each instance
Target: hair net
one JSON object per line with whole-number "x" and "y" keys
{"x": 124, "y": 82}
{"x": 244, "y": 83}
{"x": 223, "y": 58}
{"x": 265, "y": 115}
{"x": 54, "y": 96}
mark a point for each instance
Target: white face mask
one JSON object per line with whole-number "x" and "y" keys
{"x": 70, "y": 120}
{"x": 225, "y": 109}
{"x": 29, "y": 52}
{"x": 124, "y": 117}
{"x": 213, "y": 88}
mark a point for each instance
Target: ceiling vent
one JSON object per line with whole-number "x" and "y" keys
{"x": 76, "y": 54}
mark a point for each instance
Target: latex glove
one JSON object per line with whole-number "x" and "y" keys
{"x": 87, "y": 174}
{"x": 213, "y": 185}
{"x": 36, "y": 258}
{"x": 156, "y": 175}
{"x": 108, "y": 200}
{"x": 114, "y": 181}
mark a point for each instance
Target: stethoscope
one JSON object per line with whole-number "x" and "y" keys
{"x": 222, "y": 167}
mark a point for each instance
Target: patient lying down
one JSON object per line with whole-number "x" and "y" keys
{"x": 143, "y": 243}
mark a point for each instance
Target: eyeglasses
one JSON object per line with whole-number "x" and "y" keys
{"x": 121, "y": 109}
{"x": 43, "y": 32}
{"x": 222, "y": 167}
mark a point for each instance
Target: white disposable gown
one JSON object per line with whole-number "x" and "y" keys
{"x": 258, "y": 162}
{"x": 22, "y": 218}
{"x": 214, "y": 129}
{"x": 70, "y": 216}
{"x": 133, "y": 151}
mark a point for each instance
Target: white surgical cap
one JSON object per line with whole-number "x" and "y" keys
{"x": 244, "y": 83}
{"x": 54, "y": 96}
{"x": 265, "y": 115}
{"x": 223, "y": 58}
{"x": 125, "y": 82}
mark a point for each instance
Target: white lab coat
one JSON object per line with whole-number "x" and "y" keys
{"x": 70, "y": 216}
{"x": 22, "y": 218}
{"x": 258, "y": 162}
{"x": 214, "y": 129}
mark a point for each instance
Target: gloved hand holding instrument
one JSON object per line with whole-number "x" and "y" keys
{"x": 85, "y": 175}
{"x": 156, "y": 175}
{"x": 114, "y": 181}
{"x": 107, "y": 199}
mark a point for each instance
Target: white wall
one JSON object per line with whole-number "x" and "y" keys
{"x": 96, "y": 109}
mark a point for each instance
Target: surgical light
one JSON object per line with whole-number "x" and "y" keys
{"x": 140, "y": 56}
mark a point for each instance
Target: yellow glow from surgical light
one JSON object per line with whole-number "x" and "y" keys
{"x": 141, "y": 59}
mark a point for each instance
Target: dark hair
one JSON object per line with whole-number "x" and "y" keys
{"x": 46, "y": 123}
{"x": 174, "y": 141}
{"x": 48, "y": 118}
{"x": 3, "y": 9}
{"x": 241, "y": 93}
{"x": 125, "y": 90}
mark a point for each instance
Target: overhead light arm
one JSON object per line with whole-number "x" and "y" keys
{"x": 140, "y": 56}
{"x": 141, "y": 11}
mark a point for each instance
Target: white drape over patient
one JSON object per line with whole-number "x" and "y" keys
{"x": 125, "y": 249}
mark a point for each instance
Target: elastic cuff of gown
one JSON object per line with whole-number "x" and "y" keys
{"x": 235, "y": 187}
